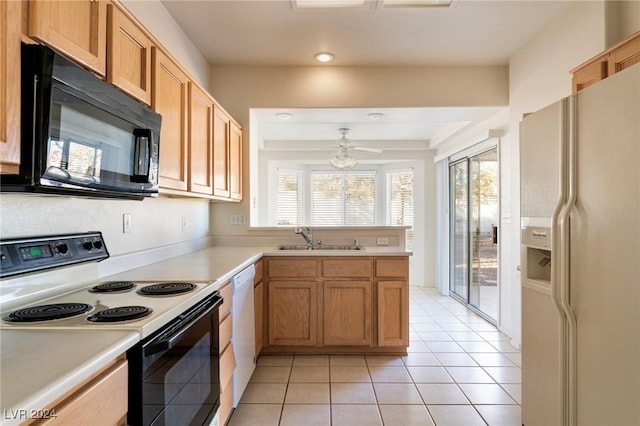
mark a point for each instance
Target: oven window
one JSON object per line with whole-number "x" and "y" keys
{"x": 181, "y": 385}
{"x": 88, "y": 145}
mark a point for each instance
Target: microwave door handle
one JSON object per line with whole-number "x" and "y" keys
{"x": 141, "y": 155}
{"x": 169, "y": 342}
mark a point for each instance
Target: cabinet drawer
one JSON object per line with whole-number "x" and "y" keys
{"x": 226, "y": 404}
{"x": 347, "y": 268}
{"x": 226, "y": 291}
{"x": 227, "y": 365}
{"x": 292, "y": 268}
{"x": 225, "y": 332}
{"x": 258, "y": 276}
{"x": 392, "y": 267}
{"x": 101, "y": 401}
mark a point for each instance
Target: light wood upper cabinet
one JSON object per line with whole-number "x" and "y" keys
{"x": 235, "y": 162}
{"x": 221, "y": 122}
{"x": 169, "y": 99}
{"x": 227, "y": 156}
{"x": 613, "y": 60}
{"x": 347, "y": 312}
{"x": 76, "y": 28}
{"x": 129, "y": 55}
{"x": 10, "y": 19}
{"x": 625, "y": 54}
{"x": 200, "y": 141}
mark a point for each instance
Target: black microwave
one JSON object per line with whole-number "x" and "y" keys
{"x": 81, "y": 135}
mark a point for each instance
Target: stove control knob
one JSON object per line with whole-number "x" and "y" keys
{"x": 62, "y": 248}
{"x": 97, "y": 244}
{"x": 87, "y": 245}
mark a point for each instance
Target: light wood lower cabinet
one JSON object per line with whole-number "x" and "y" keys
{"x": 393, "y": 313}
{"x": 347, "y": 313}
{"x": 345, "y": 303}
{"x": 258, "y": 304}
{"x": 227, "y": 355}
{"x": 293, "y": 313}
{"x": 101, "y": 401}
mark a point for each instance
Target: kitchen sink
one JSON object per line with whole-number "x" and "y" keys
{"x": 321, "y": 247}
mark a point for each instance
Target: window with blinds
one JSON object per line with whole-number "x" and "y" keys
{"x": 345, "y": 198}
{"x": 400, "y": 201}
{"x": 289, "y": 198}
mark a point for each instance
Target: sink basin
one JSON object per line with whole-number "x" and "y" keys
{"x": 320, "y": 248}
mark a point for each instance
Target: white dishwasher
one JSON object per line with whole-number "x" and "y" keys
{"x": 243, "y": 334}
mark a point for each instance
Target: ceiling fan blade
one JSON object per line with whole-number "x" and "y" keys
{"x": 365, "y": 149}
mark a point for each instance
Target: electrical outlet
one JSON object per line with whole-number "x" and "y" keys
{"x": 382, "y": 241}
{"x": 237, "y": 219}
{"x": 126, "y": 223}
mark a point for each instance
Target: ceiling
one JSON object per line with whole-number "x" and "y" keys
{"x": 275, "y": 32}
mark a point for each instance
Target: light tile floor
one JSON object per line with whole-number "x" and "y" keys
{"x": 459, "y": 370}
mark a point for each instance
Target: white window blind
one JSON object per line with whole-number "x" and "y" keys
{"x": 289, "y": 198}
{"x": 345, "y": 198}
{"x": 400, "y": 201}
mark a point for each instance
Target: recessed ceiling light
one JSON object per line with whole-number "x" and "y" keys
{"x": 375, "y": 116}
{"x": 324, "y": 57}
{"x": 328, "y": 3}
{"x": 284, "y": 115}
{"x": 416, "y": 3}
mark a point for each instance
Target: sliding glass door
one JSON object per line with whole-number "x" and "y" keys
{"x": 474, "y": 233}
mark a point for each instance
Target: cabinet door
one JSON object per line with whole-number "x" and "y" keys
{"x": 76, "y": 28}
{"x": 169, "y": 99}
{"x": 347, "y": 313}
{"x": 200, "y": 141}
{"x": 129, "y": 52}
{"x": 626, "y": 55}
{"x": 393, "y": 313}
{"x": 589, "y": 74}
{"x": 235, "y": 162}
{"x": 258, "y": 304}
{"x": 10, "y": 18}
{"x": 221, "y": 130}
{"x": 293, "y": 307}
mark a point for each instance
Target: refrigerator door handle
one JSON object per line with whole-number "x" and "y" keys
{"x": 564, "y": 262}
{"x": 556, "y": 250}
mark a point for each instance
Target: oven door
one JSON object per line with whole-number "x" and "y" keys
{"x": 174, "y": 374}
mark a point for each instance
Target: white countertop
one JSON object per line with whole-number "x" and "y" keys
{"x": 39, "y": 366}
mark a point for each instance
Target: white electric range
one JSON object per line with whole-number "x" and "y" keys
{"x": 119, "y": 305}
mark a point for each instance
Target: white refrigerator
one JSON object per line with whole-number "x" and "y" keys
{"x": 580, "y": 256}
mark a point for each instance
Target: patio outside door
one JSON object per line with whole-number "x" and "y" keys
{"x": 474, "y": 233}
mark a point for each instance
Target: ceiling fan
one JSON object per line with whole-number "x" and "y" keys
{"x": 342, "y": 159}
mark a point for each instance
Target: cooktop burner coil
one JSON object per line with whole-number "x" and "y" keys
{"x": 48, "y": 312}
{"x": 112, "y": 286}
{"x": 164, "y": 289}
{"x": 122, "y": 313}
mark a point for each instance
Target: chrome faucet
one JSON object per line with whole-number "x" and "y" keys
{"x": 308, "y": 236}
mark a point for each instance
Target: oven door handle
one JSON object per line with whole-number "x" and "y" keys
{"x": 172, "y": 336}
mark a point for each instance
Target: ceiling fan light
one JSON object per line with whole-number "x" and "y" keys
{"x": 375, "y": 116}
{"x": 343, "y": 161}
{"x": 284, "y": 116}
